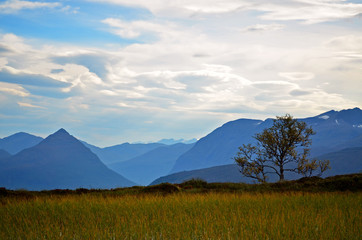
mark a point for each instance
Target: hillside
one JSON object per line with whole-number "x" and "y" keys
{"x": 4, "y": 154}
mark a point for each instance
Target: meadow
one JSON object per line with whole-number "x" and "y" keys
{"x": 184, "y": 215}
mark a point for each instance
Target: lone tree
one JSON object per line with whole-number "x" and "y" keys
{"x": 284, "y": 147}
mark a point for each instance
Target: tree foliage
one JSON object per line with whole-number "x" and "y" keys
{"x": 282, "y": 148}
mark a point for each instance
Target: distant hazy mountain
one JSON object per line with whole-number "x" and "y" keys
{"x": 345, "y": 161}
{"x": 225, "y": 173}
{"x": 59, "y": 161}
{"x": 149, "y": 166}
{"x": 122, "y": 152}
{"x": 19, "y": 141}
{"x": 171, "y": 141}
{"x": 335, "y": 131}
{"x": 4, "y": 154}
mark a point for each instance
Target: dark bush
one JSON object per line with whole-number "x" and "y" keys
{"x": 309, "y": 179}
{"x": 3, "y": 192}
{"x": 81, "y": 190}
{"x": 194, "y": 183}
{"x": 162, "y": 188}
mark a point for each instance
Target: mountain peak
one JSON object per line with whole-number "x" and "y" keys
{"x": 61, "y": 131}
{"x": 60, "y": 137}
{"x": 19, "y": 135}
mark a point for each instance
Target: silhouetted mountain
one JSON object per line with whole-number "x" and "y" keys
{"x": 149, "y": 166}
{"x": 60, "y": 161}
{"x": 335, "y": 131}
{"x": 19, "y": 141}
{"x": 345, "y": 161}
{"x": 4, "y": 154}
{"x": 122, "y": 152}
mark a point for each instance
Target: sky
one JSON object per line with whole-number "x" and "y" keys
{"x": 115, "y": 71}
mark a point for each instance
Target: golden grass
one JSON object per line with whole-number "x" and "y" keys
{"x": 184, "y": 216}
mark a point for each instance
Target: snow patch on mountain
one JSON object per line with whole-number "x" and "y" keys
{"x": 325, "y": 117}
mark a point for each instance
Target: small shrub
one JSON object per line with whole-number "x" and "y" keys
{"x": 162, "y": 188}
{"x": 194, "y": 183}
{"x": 310, "y": 179}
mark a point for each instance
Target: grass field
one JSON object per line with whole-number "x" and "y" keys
{"x": 287, "y": 215}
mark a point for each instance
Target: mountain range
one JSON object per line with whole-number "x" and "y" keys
{"x": 145, "y": 168}
{"x": 19, "y": 141}
{"x": 171, "y": 141}
{"x": 122, "y": 152}
{"x": 62, "y": 161}
{"x": 344, "y": 161}
{"x": 59, "y": 161}
{"x": 334, "y": 131}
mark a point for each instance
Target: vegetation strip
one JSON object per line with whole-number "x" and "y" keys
{"x": 328, "y": 209}
{"x": 288, "y": 215}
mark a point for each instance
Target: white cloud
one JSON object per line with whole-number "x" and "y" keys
{"x": 13, "y": 43}
{"x": 308, "y": 11}
{"x": 184, "y": 7}
{"x": 263, "y": 27}
{"x": 297, "y": 76}
{"x": 193, "y": 62}
{"x": 348, "y": 46}
{"x": 28, "y": 105}
{"x": 12, "y": 6}
{"x": 13, "y": 89}
{"x": 133, "y": 29}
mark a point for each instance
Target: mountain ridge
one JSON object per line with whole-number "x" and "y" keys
{"x": 144, "y": 168}
{"x": 345, "y": 161}
{"x": 59, "y": 161}
{"x": 19, "y": 141}
{"x": 334, "y": 129}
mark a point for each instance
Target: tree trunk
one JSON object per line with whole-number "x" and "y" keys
{"x": 281, "y": 176}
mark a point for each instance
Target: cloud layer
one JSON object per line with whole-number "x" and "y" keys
{"x": 189, "y": 67}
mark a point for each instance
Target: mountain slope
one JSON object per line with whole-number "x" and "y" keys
{"x": 224, "y": 173}
{"x": 149, "y": 166}
{"x": 19, "y": 141}
{"x": 59, "y": 161}
{"x": 218, "y": 147}
{"x": 335, "y": 131}
{"x": 121, "y": 152}
{"x": 4, "y": 154}
{"x": 345, "y": 161}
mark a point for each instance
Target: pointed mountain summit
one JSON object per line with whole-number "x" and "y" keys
{"x": 19, "y": 141}
{"x": 58, "y": 162}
